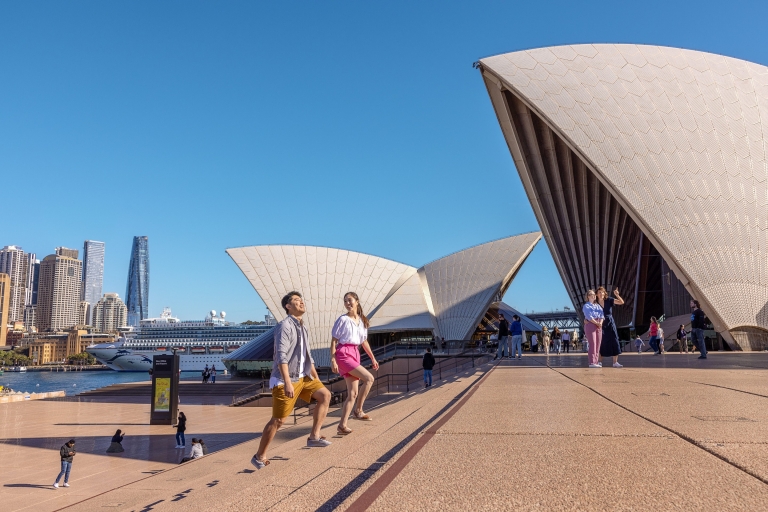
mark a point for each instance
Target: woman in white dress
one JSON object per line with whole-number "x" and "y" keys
{"x": 350, "y": 332}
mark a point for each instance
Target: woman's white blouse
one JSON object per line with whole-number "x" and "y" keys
{"x": 349, "y": 332}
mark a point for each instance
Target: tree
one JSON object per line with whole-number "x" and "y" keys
{"x": 83, "y": 358}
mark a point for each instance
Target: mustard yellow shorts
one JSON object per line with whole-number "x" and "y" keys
{"x": 282, "y": 406}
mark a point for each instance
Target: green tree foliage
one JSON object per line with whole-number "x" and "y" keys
{"x": 82, "y": 359}
{"x": 14, "y": 358}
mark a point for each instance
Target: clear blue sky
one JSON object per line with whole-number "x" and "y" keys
{"x": 361, "y": 125}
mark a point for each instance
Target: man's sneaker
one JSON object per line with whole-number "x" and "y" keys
{"x": 702, "y": 357}
{"x": 56, "y": 484}
{"x": 318, "y": 443}
{"x": 600, "y": 365}
{"x": 617, "y": 365}
{"x": 258, "y": 464}
{"x": 594, "y": 366}
{"x": 66, "y": 484}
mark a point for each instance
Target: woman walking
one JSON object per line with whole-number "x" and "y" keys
{"x": 682, "y": 339}
{"x": 545, "y": 339}
{"x": 349, "y": 332}
{"x": 556, "y": 337}
{"x": 116, "y": 445}
{"x": 593, "y": 327}
{"x": 181, "y": 426}
{"x": 653, "y": 341}
{"x": 609, "y": 347}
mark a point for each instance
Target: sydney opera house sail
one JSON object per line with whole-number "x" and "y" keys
{"x": 647, "y": 169}
{"x": 447, "y": 298}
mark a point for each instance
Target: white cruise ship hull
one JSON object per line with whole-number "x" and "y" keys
{"x": 129, "y": 360}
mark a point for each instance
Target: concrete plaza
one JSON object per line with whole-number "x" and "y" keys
{"x": 667, "y": 432}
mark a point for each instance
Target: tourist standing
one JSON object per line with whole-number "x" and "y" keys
{"x": 293, "y": 376}
{"x": 697, "y": 328}
{"x": 350, "y": 332}
{"x": 181, "y": 427}
{"x": 534, "y": 343}
{"x": 557, "y": 338}
{"x": 653, "y": 339}
{"x": 566, "y": 337}
{"x": 593, "y": 327}
{"x": 609, "y": 345}
{"x": 116, "y": 445}
{"x": 516, "y": 333}
{"x": 545, "y": 339}
{"x": 682, "y": 339}
{"x": 503, "y": 337}
{"x": 213, "y": 374}
{"x": 427, "y": 363}
{"x": 205, "y": 375}
{"x": 67, "y": 453}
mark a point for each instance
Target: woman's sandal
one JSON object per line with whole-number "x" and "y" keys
{"x": 363, "y": 417}
{"x": 343, "y": 431}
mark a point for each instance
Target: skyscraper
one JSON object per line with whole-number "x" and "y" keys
{"x": 59, "y": 292}
{"x": 14, "y": 263}
{"x": 137, "y": 289}
{"x": 33, "y": 276}
{"x": 109, "y": 313}
{"x": 5, "y": 299}
{"x": 93, "y": 274}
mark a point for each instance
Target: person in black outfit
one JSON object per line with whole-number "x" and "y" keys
{"x": 181, "y": 426}
{"x": 67, "y": 452}
{"x": 116, "y": 445}
{"x": 697, "y": 328}
{"x": 503, "y": 337}
{"x": 610, "y": 345}
{"x": 428, "y": 362}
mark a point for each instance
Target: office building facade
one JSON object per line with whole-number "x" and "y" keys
{"x": 13, "y": 262}
{"x": 93, "y": 274}
{"x": 59, "y": 292}
{"x": 5, "y": 303}
{"x": 137, "y": 288}
{"x": 110, "y": 313}
{"x": 33, "y": 276}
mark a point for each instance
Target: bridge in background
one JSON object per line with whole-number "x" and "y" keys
{"x": 561, "y": 319}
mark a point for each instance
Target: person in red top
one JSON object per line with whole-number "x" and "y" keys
{"x": 653, "y": 341}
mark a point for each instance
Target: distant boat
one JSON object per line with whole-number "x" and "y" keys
{"x": 17, "y": 369}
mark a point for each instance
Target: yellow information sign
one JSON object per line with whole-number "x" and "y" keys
{"x": 163, "y": 394}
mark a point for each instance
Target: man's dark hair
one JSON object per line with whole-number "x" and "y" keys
{"x": 288, "y": 298}
{"x": 429, "y": 349}
{"x": 501, "y": 315}
{"x": 696, "y": 303}
{"x": 71, "y": 441}
{"x": 515, "y": 317}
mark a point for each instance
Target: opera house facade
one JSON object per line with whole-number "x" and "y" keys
{"x": 647, "y": 170}
{"x": 452, "y": 297}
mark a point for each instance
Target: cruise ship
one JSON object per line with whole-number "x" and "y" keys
{"x": 198, "y": 342}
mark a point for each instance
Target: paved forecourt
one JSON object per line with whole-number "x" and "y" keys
{"x": 665, "y": 432}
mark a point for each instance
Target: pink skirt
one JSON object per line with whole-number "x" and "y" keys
{"x": 347, "y": 358}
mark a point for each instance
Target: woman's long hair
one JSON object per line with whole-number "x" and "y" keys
{"x": 653, "y": 320}
{"x": 359, "y": 308}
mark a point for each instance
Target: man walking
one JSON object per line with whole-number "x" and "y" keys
{"x": 503, "y": 335}
{"x": 67, "y": 453}
{"x": 428, "y": 362}
{"x": 567, "y": 342}
{"x": 697, "y": 328}
{"x": 516, "y": 331}
{"x": 293, "y": 377}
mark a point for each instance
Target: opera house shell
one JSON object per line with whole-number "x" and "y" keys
{"x": 448, "y": 298}
{"x": 646, "y": 168}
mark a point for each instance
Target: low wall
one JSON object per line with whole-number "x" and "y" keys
{"x": 20, "y": 397}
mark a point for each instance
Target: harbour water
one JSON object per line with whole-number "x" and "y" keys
{"x": 73, "y": 382}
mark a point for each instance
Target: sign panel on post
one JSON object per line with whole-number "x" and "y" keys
{"x": 165, "y": 389}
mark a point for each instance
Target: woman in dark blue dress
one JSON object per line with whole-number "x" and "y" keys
{"x": 610, "y": 346}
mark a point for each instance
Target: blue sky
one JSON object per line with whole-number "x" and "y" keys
{"x": 362, "y": 125}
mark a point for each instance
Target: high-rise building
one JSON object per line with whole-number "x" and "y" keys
{"x": 33, "y": 275}
{"x": 5, "y": 300}
{"x": 30, "y": 312}
{"x": 83, "y": 312}
{"x": 69, "y": 253}
{"x": 137, "y": 288}
{"x": 14, "y": 263}
{"x": 110, "y": 313}
{"x": 58, "y": 303}
{"x": 93, "y": 274}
